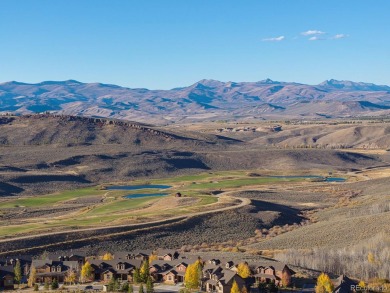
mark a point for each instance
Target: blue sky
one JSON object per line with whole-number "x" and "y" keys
{"x": 170, "y": 43}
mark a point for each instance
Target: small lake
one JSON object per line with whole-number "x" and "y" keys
{"x": 138, "y": 195}
{"x": 138, "y": 187}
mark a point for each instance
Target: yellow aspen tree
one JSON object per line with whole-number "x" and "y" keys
{"x": 324, "y": 284}
{"x": 235, "y": 288}
{"x": 86, "y": 272}
{"x": 153, "y": 257}
{"x": 243, "y": 270}
{"x": 107, "y": 256}
{"x": 32, "y": 277}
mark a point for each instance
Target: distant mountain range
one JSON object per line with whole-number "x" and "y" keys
{"x": 204, "y": 100}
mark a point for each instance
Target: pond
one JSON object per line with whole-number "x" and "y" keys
{"x": 138, "y": 195}
{"x": 138, "y": 187}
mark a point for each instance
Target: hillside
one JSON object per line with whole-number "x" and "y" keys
{"x": 45, "y": 153}
{"x": 204, "y": 100}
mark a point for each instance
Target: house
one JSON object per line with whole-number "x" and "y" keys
{"x": 71, "y": 255}
{"x": 121, "y": 269}
{"x": 24, "y": 260}
{"x": 168, "y": 255}
{"x": 220, "y": 280}
{"x": 48, "y": 270}
{"x": 176, "y": 274}
{"x": 169, "y": 272}
{"x": 343, "y": 284}
{"x": 273, "y": 272}
{"x": 128, "y": 255}
{"x": 7, "y": 277}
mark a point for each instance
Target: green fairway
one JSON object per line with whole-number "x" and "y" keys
{"x": 51, "y": 199}
{"x": 120, "y": 205}
{"x": 235, "y": 183}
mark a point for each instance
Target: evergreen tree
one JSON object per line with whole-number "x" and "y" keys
{"x": 46, "y": 286}
{"x": 18, "y": 272}
{"x": 54, "y": 284}
{"x": 125, "y": 287}
{"x": 272, "y": 287}
{"x": 141, "y": 289}
{"x": 149, "y": 285}
{"x": 137, "y": 276}
{"x": 110, "y": 285}
{"x": 117, "y": 285}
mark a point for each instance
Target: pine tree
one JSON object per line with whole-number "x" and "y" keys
{"x": 18, "y": 272}
{"x": 46, "y": 286}
{"x": 117, "y": 285}
{"x": 235, "y": 288}
{"x": 86, "y": 272}
{"x": 110, "y": 285}
{"x": 141, "y": 289}
{"x": 243, "y": 270}
{"x": 324, "y": 284}
{"x": 137, "y": 276}
{"x": 54, "y": 284}
{"x": 149, "y": 286}
{"x": 32, "y": 277}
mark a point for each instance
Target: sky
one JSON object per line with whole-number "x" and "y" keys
{"x": 162, "y": 44}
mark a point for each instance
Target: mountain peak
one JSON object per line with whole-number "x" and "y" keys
{"x": 211, "y": 83}
{"x": 351, "y": 85}
{"x": 268, "y": 81}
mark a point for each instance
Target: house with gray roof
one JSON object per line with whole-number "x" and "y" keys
{"x": 220, "y": 280}
{"x": 7, "y": 277}
{"x": 48, "y": 270}
{"x": 121, "y": 269}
